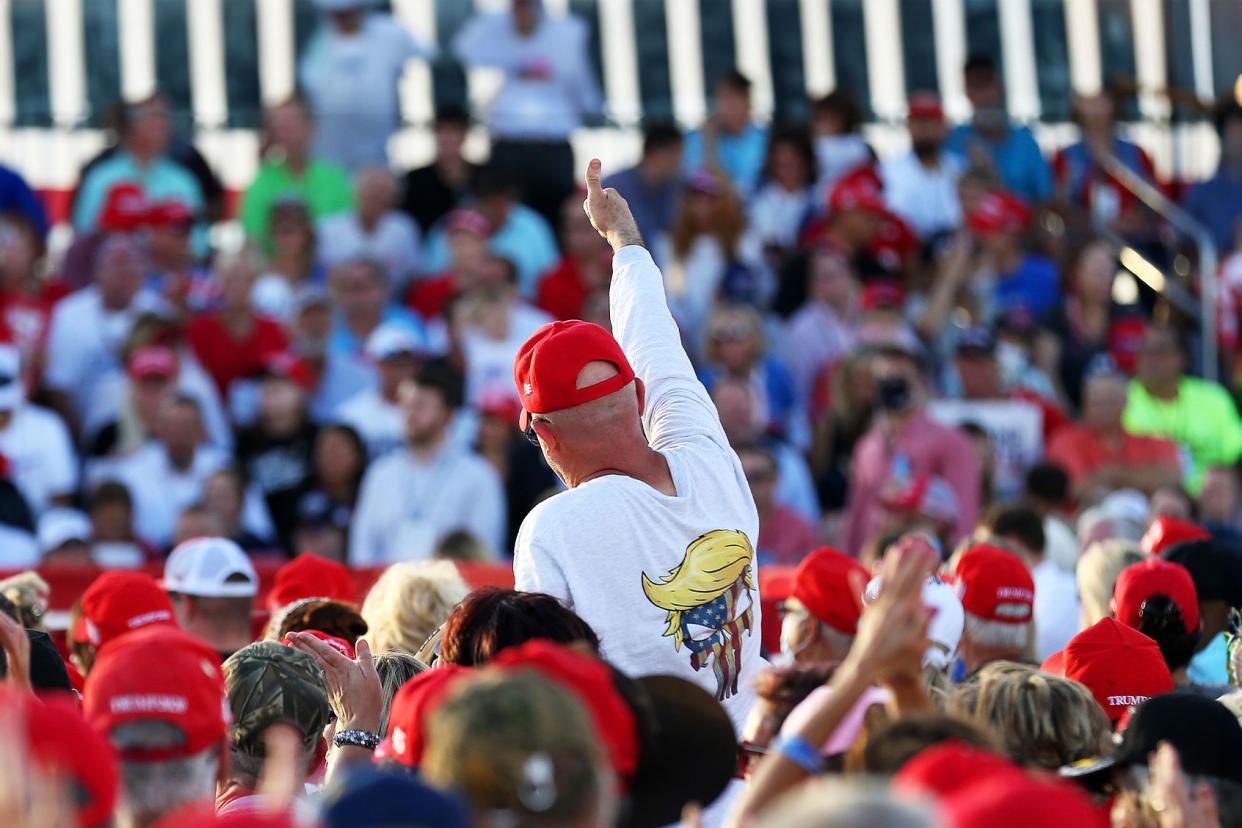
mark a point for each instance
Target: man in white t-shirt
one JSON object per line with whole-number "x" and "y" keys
{"x": 374, "y": 230}
{"x": 34, "y": 442}
{"x": 653, "y": 544}
{"x": 376, "y": 412}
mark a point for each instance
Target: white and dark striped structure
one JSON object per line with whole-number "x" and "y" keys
{"x": 64, "y": 62}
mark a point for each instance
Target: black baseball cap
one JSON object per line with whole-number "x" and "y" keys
{"x": 1215, "y": 567}
{"x": 1206, "y": 735}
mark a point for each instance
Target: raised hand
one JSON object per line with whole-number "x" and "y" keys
{"x": 354, "y": 688}
{"x": 609, "y": 213}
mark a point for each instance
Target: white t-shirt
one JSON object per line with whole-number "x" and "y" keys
{"x": 160, "y": 492}
{"x": 489, "y": 362}
{"x": 925, "y": 198}
{"x": 42, "y": 463}
{"x": 84, "y": 341}
{"x": 380, "y": 423}
{"x": 1056, "y": 607}
{"x": 405, "y": 505}
{"x": 668, "y": 583}
{"x": 393, "y": 243}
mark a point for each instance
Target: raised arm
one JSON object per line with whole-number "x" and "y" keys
{"x": 677, "y": 404}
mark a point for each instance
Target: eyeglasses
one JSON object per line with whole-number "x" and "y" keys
{"x": 786, "y": 608}
{"x": 531, "y": 435}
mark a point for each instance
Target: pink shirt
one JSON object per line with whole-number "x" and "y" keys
{"x": 928, "y": 448}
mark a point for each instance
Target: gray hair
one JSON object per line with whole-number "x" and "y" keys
{"x": 152, "y": 789}
{"x": 845, "y": 803}
{"x": 1097, "y": 571}
{"x": 997, "y": 633}
{"x": 395, "y": 668}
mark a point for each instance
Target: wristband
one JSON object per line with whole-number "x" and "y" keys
{"x": 799, "y": 751}
{"x": 356, "y": 738}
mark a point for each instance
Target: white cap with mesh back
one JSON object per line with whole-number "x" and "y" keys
{"x": 210, "y": 568}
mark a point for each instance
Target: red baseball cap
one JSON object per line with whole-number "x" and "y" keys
{"x": 988, "y": 578}
{"x": 590, "y": 680}
{"x": 125, "y": 209}
{"x": 411, "y": 709}
{"x": 200, "y": 815}
{"x": 117, "y": 603}
{"x": 60, "y": 741}
{"x": 1166, "y": 531}
{"x": 471, "y": 221}
{"x": 1119, "y": 665}
{"x": 547, "y": 367}
{"x": 310, "y": 576}
{"x": 860, "y": 190}
{"x": 159, "y": 674}
{"x": 821, "y": 583}
{"x": 169, "y": 214}
{"x": 1021, "y": 801}
{"x": 882, "y": 294}
{"x": 1155, "y": 576}
{"x": 1054, "y": 663}
{"x": 998, "y": 212}
{"x": 152, "y": 361}
{"x": 925, "y": 105}
{"x": 942, "y": 769}
{"x": 339, "y": 644}
{"x": 289, "y": 366}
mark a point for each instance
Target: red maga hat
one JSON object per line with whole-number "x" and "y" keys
{"x": 125, "y": 209}
{"x": 411, "y": 710}
{"x": 152, "y": 361}
{"x": 1120, "y": 666}
{"x": 860, "y": 190}
{"x": 998, "y": 212}
{"x": 310, "y": 576}
{"x": 1155, "y": 576}
{"x": 821, "y": 583}
{"x": 590, "y": 680}
{"x": 944, "y": 768}
{"x": 171, "y": 213}
{"x": 547, "y": 367}
{"x": 1166, "y": 531}
{"x": 159, "y": 674}
{"x": 989, "y": 578}
{"x": 1021, "y": 801}
{"x": 117, "y": 603}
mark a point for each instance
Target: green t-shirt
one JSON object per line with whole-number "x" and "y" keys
{"x": 325, "y": 188}
{"x": 1202, "y": 417}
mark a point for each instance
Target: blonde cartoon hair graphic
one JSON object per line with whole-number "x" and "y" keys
{"x": 704, "y": 591}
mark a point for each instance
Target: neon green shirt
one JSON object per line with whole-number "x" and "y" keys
{"x": 1202, "y": 417}
{"x": 324, "y": 188}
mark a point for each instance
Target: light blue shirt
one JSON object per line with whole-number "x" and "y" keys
{"x": 1211, "y": 664}
{"x": 343, "y": 343}
{"x": 549, "y": 82}
{"x": 1018, "y": 159}
{"x": 162, "y": 180}
{"x": 524, "y": 239}
{"x": 740, "y": 156}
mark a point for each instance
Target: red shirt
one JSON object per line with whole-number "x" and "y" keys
{"x": 228, "y": 359}
{"x": 429, "y": 297}
{"x": 561, "y": 291}
{"x": 1080, "y": 450}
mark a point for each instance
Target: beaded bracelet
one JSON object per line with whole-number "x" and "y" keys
{"x": 356, "y": 738}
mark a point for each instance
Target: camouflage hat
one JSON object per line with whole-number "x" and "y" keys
{"x": 269, "y": 683}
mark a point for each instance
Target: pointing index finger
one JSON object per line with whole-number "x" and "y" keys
{"x": 592, "y": 177}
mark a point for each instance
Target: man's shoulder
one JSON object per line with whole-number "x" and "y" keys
{"x": 37, "y": 419}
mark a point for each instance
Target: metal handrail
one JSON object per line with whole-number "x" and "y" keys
{"x": 1172, "y": 212}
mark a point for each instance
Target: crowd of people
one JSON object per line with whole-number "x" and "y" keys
{"x": 838, "y": 489}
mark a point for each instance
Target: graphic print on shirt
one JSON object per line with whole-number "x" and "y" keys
{"x": 702, "y": 596}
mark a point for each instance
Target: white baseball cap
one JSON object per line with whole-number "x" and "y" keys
{"x": 58, "y": 526}
{"x": 208, "y": 567}
{"x": 391, "y": 339}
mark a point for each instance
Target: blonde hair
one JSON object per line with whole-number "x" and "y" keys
{"x": 713, "y": 563}
{"x": 1040, "y": 720}
{"x": 409, "y": 601}
{"x": 29, "y": 593}
{"x": 1097, "y": 572}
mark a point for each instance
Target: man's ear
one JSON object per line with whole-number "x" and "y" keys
{"x": 642, "y": 395}
{"x": 546, "y": 434}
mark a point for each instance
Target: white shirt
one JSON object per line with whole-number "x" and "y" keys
{"x": 42, "y": 463}
{"x": 1056, "y": 607}
{"x": 84, "y": 341}
{"x": 393, "y": 243}
{"x": 406, "y": 506}
{"x": 351, "y": 83}
{"x": 926, "y": 198}
{"x": 815, "y": 337}
{"x": 549, "y": 83}
{"x": 776, "y": 214}
{"x": 18, "y": 549}
{"x": 489, "y": 362}
{"x": 380, "y": 423}
{"x": 160, "y": 492}
{"x": 608, "y": 547}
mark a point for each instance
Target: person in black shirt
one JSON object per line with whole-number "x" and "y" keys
{"x": 433, "y": 191}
